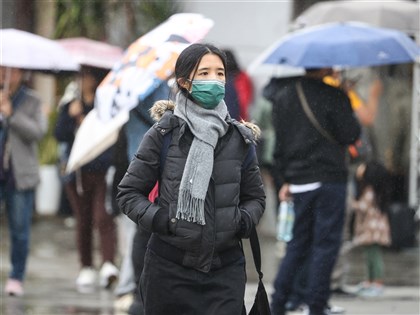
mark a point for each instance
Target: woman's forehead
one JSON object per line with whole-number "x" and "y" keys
{"x": 211, "y": 61}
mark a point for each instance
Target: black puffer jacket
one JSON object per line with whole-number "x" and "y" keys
{"x": 233, "y": 187}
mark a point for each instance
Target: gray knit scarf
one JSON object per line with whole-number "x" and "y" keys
{"x": 207, "y": 127}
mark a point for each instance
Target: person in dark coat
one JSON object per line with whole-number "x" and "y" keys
{"x": 311, "y": 169}
{"x": 86, "y": 190}
{"x": 241, "y": 83}
{"x": 210, "y": 195}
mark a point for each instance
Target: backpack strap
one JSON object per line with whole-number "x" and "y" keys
{"x": 311, "y": 115}
{"x": 248, "y": 158}
{"x": 164, "y": 151}
{"x": 154, "y": 194}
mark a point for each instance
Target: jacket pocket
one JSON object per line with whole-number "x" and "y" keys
{"x": 186, "y": 235}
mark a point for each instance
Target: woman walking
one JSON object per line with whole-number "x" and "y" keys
{"x": 210, "y": 194}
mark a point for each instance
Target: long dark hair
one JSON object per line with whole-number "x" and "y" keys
{"x": 377, "y": 177}
{"x": 190, "y": 58}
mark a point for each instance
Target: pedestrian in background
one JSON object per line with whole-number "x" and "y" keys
{"x": 241, "y": 84}
{"x": 71, "y": 92}
{"x": 371, "y": 225}
{"x": 210, "y": 195}
{"x": 22, "y": 126}
{"x": 366, "y": 110}
{"x": 86, "y": 189}
{"x": 310, "y": 165}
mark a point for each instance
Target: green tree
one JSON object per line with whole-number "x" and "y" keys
{"x": 81, "y": 18}
{"x": 93, "y": 18}
{"x": 152, "y": 13}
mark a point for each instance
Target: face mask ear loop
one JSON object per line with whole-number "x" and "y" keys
{"x": 171, "y": 92}
{"x": 190, "y": 87}
{"x": 188, "y": 92}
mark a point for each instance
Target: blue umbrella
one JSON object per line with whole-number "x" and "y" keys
{"x": 342, "y": 45}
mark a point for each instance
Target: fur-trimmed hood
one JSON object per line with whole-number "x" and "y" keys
{"x": 160, "y": 107}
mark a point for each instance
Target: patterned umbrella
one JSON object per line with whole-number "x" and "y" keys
{"x": 147, "y": 62}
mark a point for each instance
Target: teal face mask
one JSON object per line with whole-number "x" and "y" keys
{"x": 208, "y": 93}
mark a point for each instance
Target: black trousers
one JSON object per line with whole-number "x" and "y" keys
{"x": 169, "y": 288}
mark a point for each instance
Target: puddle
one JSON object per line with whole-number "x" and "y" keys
{"x": 21, "y": 306}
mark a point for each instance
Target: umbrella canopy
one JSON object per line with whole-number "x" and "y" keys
{"x": 342, "y": 45}
{"x": 93, "y": 137}
{"x": 397, "y": 14}
{"x": 89, "y": 52}
{"x": 146, "y": 64}
{"x": 20, "y": 49}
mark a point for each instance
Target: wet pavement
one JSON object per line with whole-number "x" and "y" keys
{"x": 53, "y": 268}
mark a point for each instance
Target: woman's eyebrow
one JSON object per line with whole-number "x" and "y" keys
{"x": 208, "y": 68}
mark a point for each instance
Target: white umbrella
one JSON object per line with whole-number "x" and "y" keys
{"x": 24, "y": 50}
{"x": 89, "y": 52}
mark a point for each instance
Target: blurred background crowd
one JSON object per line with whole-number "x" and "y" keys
{"x": 101, "y": 40}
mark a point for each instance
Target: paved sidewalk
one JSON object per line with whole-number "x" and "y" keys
{"x": 53, "y": 268}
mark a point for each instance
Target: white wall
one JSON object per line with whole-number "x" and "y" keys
{"x": 246, "y": 27}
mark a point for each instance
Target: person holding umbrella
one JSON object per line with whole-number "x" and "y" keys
{"x": 86, "y": 188}
{"x": 314, "y": 123}
{"x": 210, "y": 194}
{"x": 22, "y": 126}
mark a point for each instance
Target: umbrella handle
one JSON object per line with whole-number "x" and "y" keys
{"x": 6, "y": 85}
